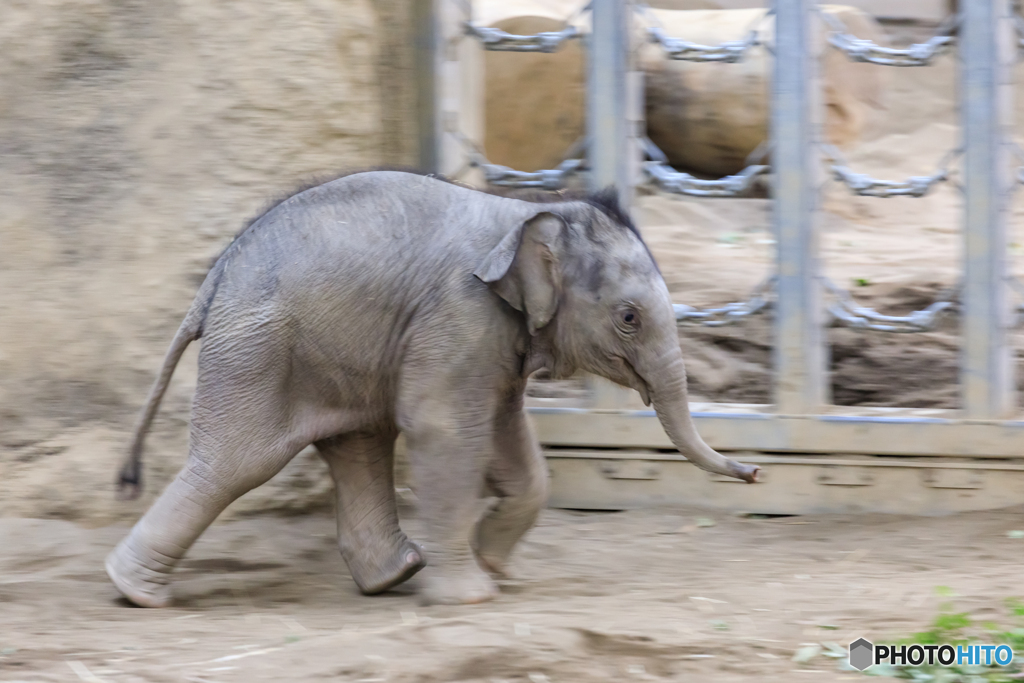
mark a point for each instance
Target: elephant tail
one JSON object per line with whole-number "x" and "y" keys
{"x": 129, "y": 481}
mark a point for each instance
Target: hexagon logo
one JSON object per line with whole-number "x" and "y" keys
{"x": 862, "y": 654}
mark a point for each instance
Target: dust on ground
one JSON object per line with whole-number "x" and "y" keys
{"x": 640, "y": 595}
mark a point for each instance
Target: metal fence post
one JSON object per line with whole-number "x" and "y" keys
{"x": 800, "y": 352}
{"x": 450, "y": 71}
{"x": 611, "y": 94}
{"x": 614, "y": 122}
{"x": 986, "y": 368}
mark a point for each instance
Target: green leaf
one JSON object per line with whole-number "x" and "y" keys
{"x": 952, "y": 622}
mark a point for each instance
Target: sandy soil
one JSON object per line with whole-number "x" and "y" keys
{"x": 644, "y": 595}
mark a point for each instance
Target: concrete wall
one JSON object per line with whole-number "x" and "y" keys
{"x": 135, "y": 139}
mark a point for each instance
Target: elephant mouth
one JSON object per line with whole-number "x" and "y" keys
{"x": 633, "y": 379}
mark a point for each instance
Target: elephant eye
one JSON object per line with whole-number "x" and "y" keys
{"x": 628, "y": 320}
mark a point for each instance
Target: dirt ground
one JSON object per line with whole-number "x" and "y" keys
{"x": 642, "y": 595}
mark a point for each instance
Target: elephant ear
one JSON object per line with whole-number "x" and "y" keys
{"x": 523, "y": 269}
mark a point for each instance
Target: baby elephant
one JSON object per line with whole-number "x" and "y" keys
{"x": 388, "y": 302}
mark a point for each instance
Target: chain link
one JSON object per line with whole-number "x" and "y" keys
{"x": 861, "y": 50}
{"x": 846, "y": 311}
{"x": 503, "y": 176}
{"x": 670, "y": 180}
{"x": 496, "y": 40}
{"x": 866, "y": 186}
{"x": 729, "y": 313}
{"x": 728, "y": 52}
{"x": 500, "y": 41}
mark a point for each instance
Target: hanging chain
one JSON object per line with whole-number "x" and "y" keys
{"x": 499, "y": 41}
{"x": 503, "y": 176}
{"x": 728, "y": 52}
{"x": 729, "y": 313}
{"x": 846, "y": 311}
{"x": 496, "y": 40}
{"x": 664, "y": 176}
{"x": 866, "y": 186}
{"x": 862, "y": 50}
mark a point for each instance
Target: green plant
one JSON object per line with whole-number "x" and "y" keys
{"x": 957, "y": 628}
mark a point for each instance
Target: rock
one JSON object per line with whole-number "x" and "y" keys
{"x": 710, "y": 117}
{"x": 533, "y": 103}
{"x": 706, "y": 117}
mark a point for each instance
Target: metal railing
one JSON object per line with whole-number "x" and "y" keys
{"x": 796, "y": 292}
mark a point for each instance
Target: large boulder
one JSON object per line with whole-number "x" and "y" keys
{"x": 707, "y": 117}
{"x": 534, "y": 103}
{"x": 710, "y": 117}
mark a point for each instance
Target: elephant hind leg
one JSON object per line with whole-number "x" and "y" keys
{"x": 518, "y": 476}
{"x": 228, "y": 457}
{"x": 379, "y": 555}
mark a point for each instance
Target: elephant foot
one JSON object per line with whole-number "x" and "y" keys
{"x": 129, "y": 577}
{"x": 492, "y": 564}
{"x": 399, "y": 567}
{"x": 468, "y": 587}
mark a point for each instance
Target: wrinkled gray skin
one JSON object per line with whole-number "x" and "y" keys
{"x": 385, "y": 302}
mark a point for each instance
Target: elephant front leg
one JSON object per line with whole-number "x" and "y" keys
{"x": 448, "y": 452}
{"x": 378, "y": 554}
{"x": 518, "y": 476}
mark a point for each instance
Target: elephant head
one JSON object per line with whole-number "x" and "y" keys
{"x": 593, "y": 299}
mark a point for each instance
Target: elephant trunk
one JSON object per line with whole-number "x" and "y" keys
{"x": 667, "y": 385}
